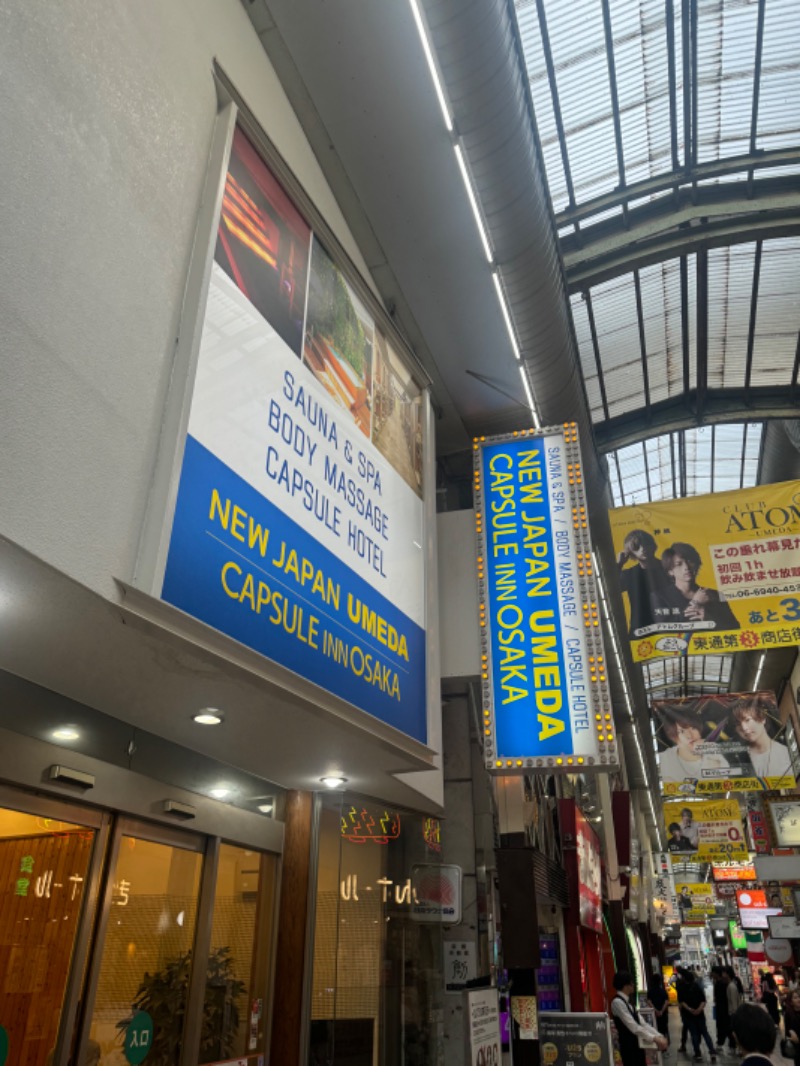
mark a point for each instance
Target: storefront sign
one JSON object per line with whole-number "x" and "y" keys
{"x": 589, "y": 875}
{"x": 711, "y": 574}
{"x": 575, "y": 1039}
{"x": 737, "y": 872}
{"x": 298, "y": 526}
{"x": 665, "y": 898}
{"x": 786, "y": 822}
{"x": 545, "y": 692}
{"x": 138, "y": 1038}
{"x": 459, "y": 964}
{"x": 784, "y": 925}
{"x": 738, "y": 941}
{"x": 754, "y": 910}
{"x": 708, "y": 830}
{"x": 436, "y": 893}
{"x": 483, "y": 1020}
{"x": 721, "y": 743}
{"x": 759, "y": 830}
{"x": 780, "y": 868}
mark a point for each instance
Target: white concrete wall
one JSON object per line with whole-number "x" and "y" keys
{"x": 108, "y": 109}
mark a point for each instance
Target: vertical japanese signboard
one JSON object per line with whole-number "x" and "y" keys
{"x": 298, "y": 525}
{"x": 545, "y": 694}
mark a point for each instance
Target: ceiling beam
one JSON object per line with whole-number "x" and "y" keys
{"x": 679, "y": 412}
{"x": 718, "y": 168}
{"x": 723, "y": 215}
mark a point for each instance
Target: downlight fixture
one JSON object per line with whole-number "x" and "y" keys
{"x": 333, "y": 780}
{"x": 208, "y": 716}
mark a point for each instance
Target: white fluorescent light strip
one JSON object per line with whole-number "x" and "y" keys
{"x": 506, "y": 316}
{"x": 524, "y": 375}
{"x": 423, "y": 36}
{"x": 473, "y": 203}
{"x": 758, "y": 672}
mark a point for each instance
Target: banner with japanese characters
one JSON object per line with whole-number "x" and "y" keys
{"x": 711, "y": 574}
{"x": 721, "y": 743}
{"x": 706, "y": 831}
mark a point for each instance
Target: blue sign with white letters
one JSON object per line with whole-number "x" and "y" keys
{"x": 543, "y": 651}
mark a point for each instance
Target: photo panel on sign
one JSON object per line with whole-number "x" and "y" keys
{"x": 721, "y": 743}
{"x": 339, "y": 339}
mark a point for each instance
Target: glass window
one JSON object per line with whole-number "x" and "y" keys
{"x": 43, "y": 870}
{"x": 234, "y": 1021}
{"x": 146, "y": 960}
{"x": 377, "y": 982}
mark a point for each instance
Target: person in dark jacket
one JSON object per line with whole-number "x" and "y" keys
{"x": 769, "y": 996}
{"x": 692, "y": 998}
{"x": 721, "y": 1012}
{"x": 658, "y": 999}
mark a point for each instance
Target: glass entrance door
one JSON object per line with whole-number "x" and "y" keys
{"x": 139, "y": 987}
{"x": 44, "y": 872}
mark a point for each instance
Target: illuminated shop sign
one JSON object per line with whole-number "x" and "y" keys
{"x": 362, "y": 826}
{"x": 744, "y": 872}
{"x": 545, "y": 695}
{"x": 298, "y": 527}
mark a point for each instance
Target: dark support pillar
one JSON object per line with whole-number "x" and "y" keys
{"x": 292, "y": 923}
{"x": 616, "y": 931}
{"x": 523, "y": 1052}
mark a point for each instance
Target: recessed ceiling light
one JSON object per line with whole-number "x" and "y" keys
{"x": 333, "y": 781}
{"x": 266, "y": 808}
{"x": 208, "y": 716}
{"x": 65, "y": 732}
{"x": 219, "y": 793}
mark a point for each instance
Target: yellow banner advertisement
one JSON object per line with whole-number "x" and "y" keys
{"x": 705, "y": 831}
{"x": 706, "y": 575}
{"x": 696, "y": 901}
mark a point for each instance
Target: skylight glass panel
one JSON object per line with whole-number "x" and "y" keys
{"x": 778, "y": 315}
{"x": 543, "y": 104}
{"x": 583, "y": 337}
{"x": 730, "y": 288}
{"x": 778, "y": 112}
{"x": 717, "y": 458}
{"x": 661, "y": 311}
{"x": 642, "y": 71}
{"x": 726, "y": 42}
{"x": 616, "y": 321}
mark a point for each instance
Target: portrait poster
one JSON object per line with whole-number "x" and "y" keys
{"x": 711, "y": 574}
{"x": 705, "y": 830}
{"x": 721, "y": 743}
{"x": 696, "y": 901}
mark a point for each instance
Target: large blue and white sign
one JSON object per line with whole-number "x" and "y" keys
{"x": 545, "y": 696}
{"x": 298, "y": 526}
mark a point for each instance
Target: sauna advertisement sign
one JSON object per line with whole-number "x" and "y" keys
{"x": 545, "y": 693}
{"x": 298, "y": 526}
